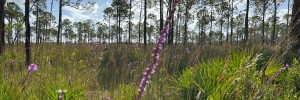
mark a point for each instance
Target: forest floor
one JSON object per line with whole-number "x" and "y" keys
{"x": 86, "y": 71}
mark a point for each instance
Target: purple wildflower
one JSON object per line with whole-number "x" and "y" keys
{"x": 187, "y": 49}
{"x": 287, "y": 65}
{"x": 104, "y": 96}
{"x": 129, "y": 64}
{"x": 155, "y": 55}
{"x": 173, "y": 57}
{"x": 6, "y": 75}
{"x": 32, "y": 67}
{"x": 90, "y": 93}
{"x": 62, "y": 93}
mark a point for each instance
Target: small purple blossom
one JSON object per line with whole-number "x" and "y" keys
{"x": 129, "y": 64}
{"x": 187, "y": 50}
{"x": 174, "y": 58}
{"x": 90, "y": 93}
{"x": 105, "y": 94}
{"x": 287, "y": 65}
{"x": 62, "y": 93}
{"x": 32, "y": 67}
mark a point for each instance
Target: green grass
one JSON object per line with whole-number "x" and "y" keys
{"x": 86, "y": 71}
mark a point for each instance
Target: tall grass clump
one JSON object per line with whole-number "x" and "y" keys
{"x": 237, "y": 77}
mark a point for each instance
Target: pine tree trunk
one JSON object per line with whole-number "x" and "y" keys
{"x": 231, "y": 23}
{"x": 27, "y": 39}
{"x": 246, "y": 22}
{"x": 221, "y": 34}
{"x": 185, "y": 24}
{"x": 59, "y": 20}
{"x": 2, "y": 33}
{"x": 263, "y": 22}
{"x": 140, "y": 23}
{"x": 210, "y": 33}
{"x": 296, "y": 25}
{"x": 109, "y": 30}
{"x": 161, "y": 15}
{"x": 36, "y": 24}
{"x": 129, "y": 23}
{"x": 145, "y": 23}
{"x": 274, "y": 24}
{"x": 287, "y": 21}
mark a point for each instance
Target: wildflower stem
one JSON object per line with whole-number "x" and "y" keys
{"x": 155, "y": 55}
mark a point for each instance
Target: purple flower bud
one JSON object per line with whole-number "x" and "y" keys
{"x": 32, "y": 67}
{"x": 287, "y": 65}
{"x": 159, "y": 48}
{"x": 153, "y": 71}
{"x": 167, "y": 28}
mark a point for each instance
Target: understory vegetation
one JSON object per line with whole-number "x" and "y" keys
{"x": 191, "y": 72}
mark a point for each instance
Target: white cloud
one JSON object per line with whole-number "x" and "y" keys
{"x": 281, "y": 13}
{"x": 76, "y": 15}
{"x": 18, "y": 2}
{"x": 108, "y": 4}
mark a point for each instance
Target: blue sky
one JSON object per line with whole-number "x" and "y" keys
{"x": 71, "y": 13}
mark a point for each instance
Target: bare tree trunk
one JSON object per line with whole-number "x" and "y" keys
{"x": 129, "y": 22}
{"x": 170, "y": 36}
{"x": 36, "y": 23}
{"x": 231, "y": 23}
{"x": 109, "y": 30}
{"x": 296, "y": 25}
{"x": 59, "y": 21}
{"x": 274, "y": 24}
{"x": 221, "y": 33}
{"x": 2, "y": 32}
{"x": 145, "y": 23}
{"x": 210, "y": 33}
{"x": 287, "y": 20}
{"x": 161, "y": 15}
{"x": 185, "y": 23}
{"x": 202, "y": 28}
{"x": 177, "y": 26}
{"x": 246, "y": 22}
{"x": 27, "y": 39}
{"x": 140, "y": 23}
{"x": 263, "y": 22}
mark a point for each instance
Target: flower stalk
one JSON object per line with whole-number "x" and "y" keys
{"x": 155, "y": 55}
